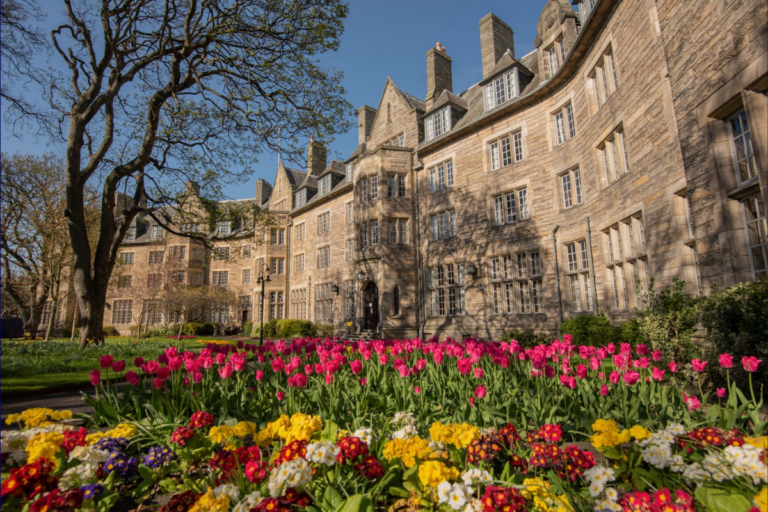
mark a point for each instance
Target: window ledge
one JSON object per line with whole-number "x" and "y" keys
{"x": 745, "y": 190}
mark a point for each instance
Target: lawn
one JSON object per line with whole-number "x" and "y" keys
{"x": 31, "y": 366}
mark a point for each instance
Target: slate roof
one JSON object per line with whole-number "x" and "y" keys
{"x": 295, "y": 176}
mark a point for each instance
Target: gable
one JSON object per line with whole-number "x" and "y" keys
{"x": 395, "y": 112}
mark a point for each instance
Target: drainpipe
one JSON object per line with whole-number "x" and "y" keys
{"x": 557, "y": 277}
{"x": 591, "y": 267}
{"x": 417, "y": 229}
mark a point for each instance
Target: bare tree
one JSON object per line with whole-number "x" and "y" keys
{"x": 34, "y": 243}
{"x": 161, "y": 93}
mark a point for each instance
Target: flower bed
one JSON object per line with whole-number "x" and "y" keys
{"x": 409, "y": 425}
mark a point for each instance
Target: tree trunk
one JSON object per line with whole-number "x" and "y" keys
{"x": 51, "y": 320}
{"x": 75, "y": 314}
{"x": 92, "y": 314}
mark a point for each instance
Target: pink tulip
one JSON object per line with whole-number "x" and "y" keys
{"x": 631, "y": 378}
{"x": 611, "y": 348}
{"x": 150, "y": 367}
{"x": 692, "y": 402}
{"x": 614, "y": 377}
{"x": 602, "y": 353}
{"x": 157, "y": 383}
{"x": 383, "y": 359}
{"x": 132, "y": 379}
{"x": 720, "y": 392}
{"x": 328, "y": 379}
{"x": 641, "y": 349}
{"x": 95, "y": 377}
{"x": 174, "y": 363}
{"x": 417, "y": 390}
{"x": 600, "y": 375}
{"x": 505, "y": 362}
{"x": 363, "y": 381}
{"x": 471, "y": 401}
{"x": 106, "y": 361}
{"x": 479, "y": 373}
{"x": 197, "y": 377}
{"x": 568, "y": 381}
{"x": 726, "y": 360}
{"x": 698, "y": 365}
{"x": 225, "y": 371}
{"x": 186, "y": 381}
{"x": 656, "y": 356}
{"x": 464, "y": 365}
{"x": 163, "y": 372}
{"x": 280, "y": 396}
{"x": 480, "y": 392}
{"x": 118, "y": 366}
{"x": 538, "y": 361}
{"x": 581, "y": 371}
{"x": 238, "y": 361}
{"x": 604, "y": 390}
{"x": 421, "y": 364}
{"x": 549, "y": 372}
{"x": 138, "y": 362}
{"x": 171, "y": 352}
{"x": 356, "y": 366}
{"x": 438, "y": 357}
{"x": 594, "y": 364}
{"x": 750, "y": 363}
{"x": 259, "y": 375}
{"x": 657, "y": 375}
{"x": 672, "y": 367}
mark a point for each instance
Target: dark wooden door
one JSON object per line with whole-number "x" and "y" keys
{"x": 371, "y": 307}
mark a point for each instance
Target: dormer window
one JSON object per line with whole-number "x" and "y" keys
{"x": 155, "y": 232}
{"x": 325, "y": 185}
{"x": 502, "y": 89}
{"x": 223, "y": 227}
{"x": 131, "y": 233}
{"x": 552, "y": 60}
{"x": 438, "y": 123}
{"x": 301, "y": 198}
{"x": 350, "y": 170}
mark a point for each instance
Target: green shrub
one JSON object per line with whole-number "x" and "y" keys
{"x": 596, "y": 330}
{"x": 527, "y": 338}
{"x": 156, "y": 332}
{"x": 270, "y": 329}
{"x": 109, "y": 330}
{"x": 323, "y": 330}
{"x": 669, "y": 320}
{"x": 66, "y": 332}
{"x": 247, "y": 327}
{"x": 289, "y": 328}
{"x": 198, "y": 329}
{"x": 735, "y": 320}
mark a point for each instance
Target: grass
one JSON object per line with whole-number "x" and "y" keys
{"x": 34, "y": 365}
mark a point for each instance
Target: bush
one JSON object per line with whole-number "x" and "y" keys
{"x": 109, "y": 330}
{"x": 247, "y": 327}
{"x": 66, "y": 332}
{"x": 289, "y": 328}
{"x": 669, "y": 320}
{"x": 156, "y": 332}
{"x": 197, "y": 329}
{"x": 735, "y": 320}
{"x": 527, "y": 338}
{"x": 595, "y": 330}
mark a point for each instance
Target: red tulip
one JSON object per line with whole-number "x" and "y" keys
{"x": 672, "y": 367}
{"x": 698, "y": 365}
{"x": 197, "y": 377}
{"x": 581, "y": 372}
{"x": 328, "y": 379}
{"x": 138, "y": 362}
{"x": 95, "y": 377}
{"x": 750, "y": 363}
{"x": 106, "y": 361}
{"x": 132, "y": 379}
{"x": 480, "y": 392}
{"x": 614, "y": 377}
{"x": 568, "y": 381}
{"x": 656, "y": 355}
{"x": 163, "y": 372}
{"x": 604, "y": 390}
{"x": 479, "y": 373}
{"x": 157, "y": 383}
{"x": 692, "y": 402}
{"x": 118, "y": 366}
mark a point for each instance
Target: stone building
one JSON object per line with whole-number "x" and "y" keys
{"x": 630, "y": 145}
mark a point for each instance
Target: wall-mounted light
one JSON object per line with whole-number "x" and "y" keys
{"x": 360, "y": 275}
{"x": 335, "y": 289}
{"x": 471, "y": 269}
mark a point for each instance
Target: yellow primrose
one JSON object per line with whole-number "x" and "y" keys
{"x": 407, "y": 450}
{"x": 221, "y": 433}
{"x": 639, "y": 432}
{"x": 209, "y": 502}
{"x": 761, "y": 499}
{"x": 433, "y": 473}
{"x": 245, "y": 428}
{"x": 757, "y": 442}
{"x": 122, "y": 430}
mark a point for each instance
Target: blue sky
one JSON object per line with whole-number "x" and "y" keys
{"x": 384, "y": 39}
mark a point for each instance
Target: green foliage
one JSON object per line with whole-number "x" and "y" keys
{"x": 198, "y": 329}
{"x": 270, "y": 329}
{"x": 597, "y": 330}
{"x": 669, "y": 320}
{"x": 527, "y": 338}
{"x": 288, "y": 328}
{"x": 109, "y": 330}
{"x": 156, "y": 332}
{"x": 247, "y": 327}
{"x": 736, "y": 323}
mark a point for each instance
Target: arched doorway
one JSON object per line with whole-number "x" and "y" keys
{"x": 370, "y": 307}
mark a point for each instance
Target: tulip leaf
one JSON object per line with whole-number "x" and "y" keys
{"x": 399, "y": 492}
{"x": 333, "y": 497}
{"x": 720, "y": 500}
{"x": 713, "y": 413}
{"x": 330, "y": 432}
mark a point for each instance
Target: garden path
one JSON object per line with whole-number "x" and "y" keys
{"x": 71, "y": 400}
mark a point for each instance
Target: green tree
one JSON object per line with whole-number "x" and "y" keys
{"x": 158, "y": 94}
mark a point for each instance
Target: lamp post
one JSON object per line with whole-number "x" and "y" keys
{"x": 263, "y": 279}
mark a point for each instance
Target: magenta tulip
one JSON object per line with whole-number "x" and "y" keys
{"x": 106, "y": 361}
{"x": 698, "y": 365}
{"x": 95, "y": 377}
{"x": 118, "y": 366}
{"x": 750, "y": 363}
{"x": 480, "y": 392}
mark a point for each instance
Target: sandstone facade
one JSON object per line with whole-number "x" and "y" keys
{"x": 629, "y": 146}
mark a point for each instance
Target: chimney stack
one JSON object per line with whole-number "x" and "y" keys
{"x": 316, "y": 157}
{"x": 263, "y": 191}
{"x": 495, "y": 39}
{"x": 365, "y": 117}
{"x": 439, "y": 77}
